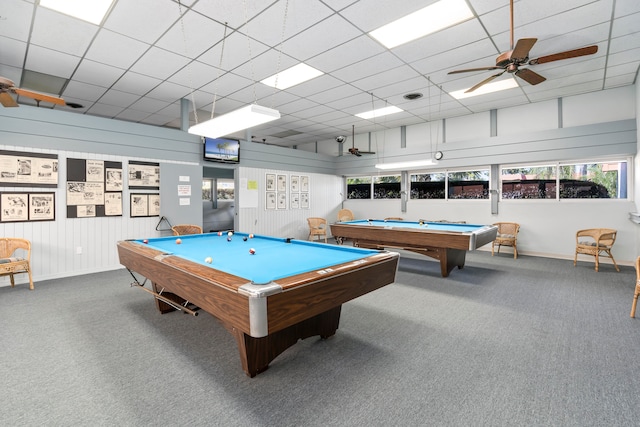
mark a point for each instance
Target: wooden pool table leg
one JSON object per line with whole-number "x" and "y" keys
{"x": 451, "y": 258}
{"x": 257, "y": 353}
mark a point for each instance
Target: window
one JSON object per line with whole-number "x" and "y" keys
{"x": 359, "y": 187}
{"x": 472, "y": 184}
{"x": 386, "y": 187}
{"x": 225, "y": 190}
{"x": 597, "y": 180}
{"x": 529, "y": 182}
{"x": 607, "y": 180}
{"x": 428, "y": 185}
{"x": 206, "y": 189}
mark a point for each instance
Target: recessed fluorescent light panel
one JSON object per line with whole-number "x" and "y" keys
{"x": 436, "y": 17}
{"x": 88, "y": 10}
{"x": 292, "y": 76}
{"x": 379, "y": 112}
{"x": 488, "y": 88}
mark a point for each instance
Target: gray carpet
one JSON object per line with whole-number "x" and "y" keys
{"x": 502, "y": 342}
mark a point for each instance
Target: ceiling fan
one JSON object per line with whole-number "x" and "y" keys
{"x": 353, "y": 150}
{"x": 7, "y": 87}
{"x": 518, "y": 56}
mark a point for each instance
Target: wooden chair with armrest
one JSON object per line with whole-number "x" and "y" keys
{"x": 317, "y": 227}
{"x": 637, "y": 292}
{"x": 507, "y": 236}
{"x": 11, "y": 264}
{"x": 184, "y": 229}
{"x": 345, "y": 215}
{"x": 596, "y": 242}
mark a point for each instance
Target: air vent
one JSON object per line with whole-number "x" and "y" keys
{"x": 412, "y": 96}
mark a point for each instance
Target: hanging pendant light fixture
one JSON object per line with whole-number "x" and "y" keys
{"x": 242, "y": 118}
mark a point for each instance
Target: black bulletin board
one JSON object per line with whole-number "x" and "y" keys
{"x": 77, "y": 172}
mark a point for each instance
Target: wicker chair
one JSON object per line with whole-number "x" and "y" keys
{"x": 507, "y": 236}
{"x": 11, "y": 264}
{"x": 637, "y": 292}
{"x": 183, "y": 229}
{"x": 345, "y": 215}
{"x": 317, "y": 227}
{"x": 596, "y": 242}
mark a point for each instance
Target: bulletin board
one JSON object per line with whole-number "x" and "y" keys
{"x": 94, "y": 188}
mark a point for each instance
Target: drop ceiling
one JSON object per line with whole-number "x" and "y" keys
{"x": 147, "y": 55}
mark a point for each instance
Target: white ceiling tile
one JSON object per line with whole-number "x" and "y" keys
{"x": 16, "y": 24}
{"x": 51, "y": 62}
{"x": 235, "y": 51}
{"x": 185, "y": 36}
{"x": 149, "y": 105}
{"x": 104, "y": 110}
{"x": 321, "y": 38}
{"x": 354, "y": 50}
{"x": 144, "y": 20}
{"x": 159, "y": 63}
{"x": 13, "y": 52}
{"x": 81, "y": 90}
{"x": 115, "y": 49}
{"x": 231, "y": 11}
{"x": 97, "y": 74}
{"x": 136, "y": 83}
{"x": 169, "y": 92}
{"x": 118, "y": 98}
{"x": 73, "y": 39}
{"x": 300, "y": 15}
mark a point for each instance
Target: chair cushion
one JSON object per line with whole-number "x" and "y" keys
{"x": 587, "y": 243}
{"x": 12, "y": 259}
{"x": 506, "y": 236}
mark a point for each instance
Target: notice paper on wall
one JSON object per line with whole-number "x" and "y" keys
{"x": 184, "y": 190}
{"x": 185, "y": 201}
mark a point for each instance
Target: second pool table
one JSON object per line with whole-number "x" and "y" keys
{"x": 444, "y": 241}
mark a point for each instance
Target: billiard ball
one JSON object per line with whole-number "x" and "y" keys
{"x": 230, "y": 233}
{"x": 251, "y": 236}
{"x": 252, "y": 251}
{"x": 208, "y": 260}
{"x": 145, "y": 241}
{"x": 244, "y": 238}
{"x": 219, "y": 233}
{"x": 229, "y": 239}
{"x": 178, "y": 241}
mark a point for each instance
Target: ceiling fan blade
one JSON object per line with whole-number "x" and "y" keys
{"x": 469, "y": 70}
{"x": 529, "y": 76}
{"x": 39, "y": 96}
{"x": 522, "y": 48}
{"x": 589, "y": 50}
{"x": 484, "y": 82}
{"x": 7, "y": 100}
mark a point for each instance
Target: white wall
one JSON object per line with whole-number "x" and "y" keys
{"x": 324, "y": 191}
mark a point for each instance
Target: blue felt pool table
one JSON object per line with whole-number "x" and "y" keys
{"x": 445, "y": 241}
{"x": 286, "y": 290}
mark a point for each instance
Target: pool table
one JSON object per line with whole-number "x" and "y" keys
{"x": 444, "y": 241}
{"x": 286, "y": 291}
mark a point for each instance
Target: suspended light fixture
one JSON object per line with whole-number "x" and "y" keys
{"x": 242, "y": 118}
{"x": 245, "y": 117}
{"x": 411, "y": 164}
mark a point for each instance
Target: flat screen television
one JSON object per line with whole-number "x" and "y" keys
{"x": 223, "y": 150}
